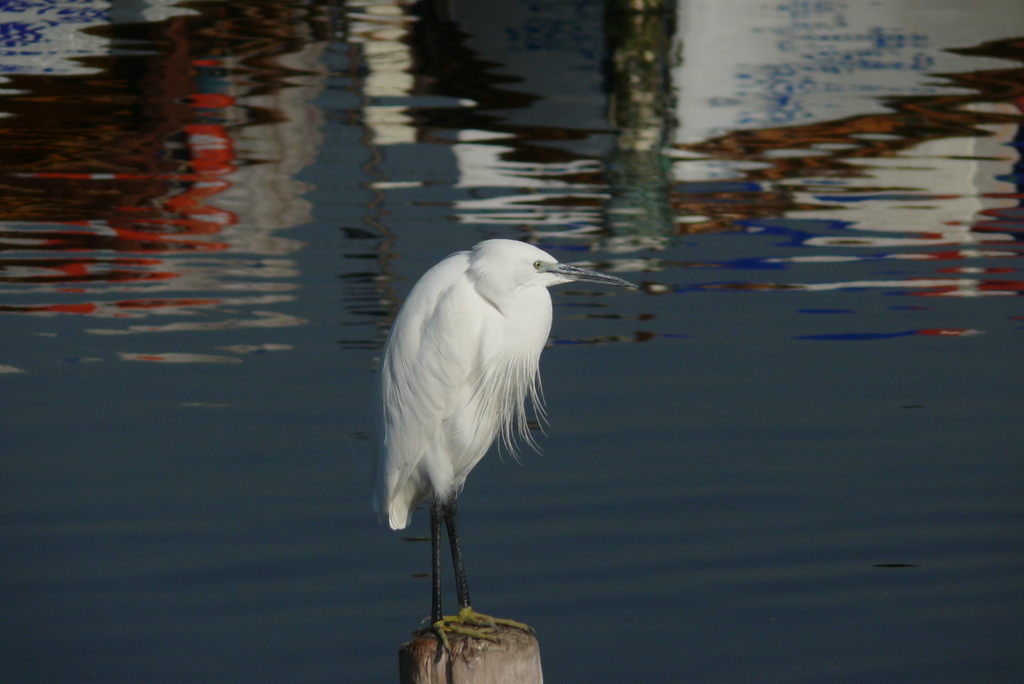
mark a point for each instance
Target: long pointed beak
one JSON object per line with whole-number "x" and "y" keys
{"x": 583, "y": 275}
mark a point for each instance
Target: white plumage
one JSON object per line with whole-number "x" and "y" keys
{"x": 460, "y": 361}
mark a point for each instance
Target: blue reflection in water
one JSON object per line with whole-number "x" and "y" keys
{"x": 887, "y": 336}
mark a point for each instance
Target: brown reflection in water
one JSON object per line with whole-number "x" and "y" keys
{"x": 914, "y": 120}
{"x": 112, "y": 179}
{"x": 831, "y": 144}
{"x": 723, "y": 208}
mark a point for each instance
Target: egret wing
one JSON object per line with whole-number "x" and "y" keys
{"x": 427, "y": 359}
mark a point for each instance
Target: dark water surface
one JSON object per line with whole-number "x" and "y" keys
{"x": 794, "y": 456}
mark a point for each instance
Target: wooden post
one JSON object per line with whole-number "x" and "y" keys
{"x": 515, "y": 659}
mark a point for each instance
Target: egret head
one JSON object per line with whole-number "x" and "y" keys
{"x": 518, "y": 264}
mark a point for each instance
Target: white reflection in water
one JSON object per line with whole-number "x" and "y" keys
{"x": 933, "y": 191}
{"x": 265, "y": 319}
{"x": 802, "y": 63}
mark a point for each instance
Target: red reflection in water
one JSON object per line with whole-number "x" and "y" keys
{"x": 121, "y": 309}
{"x": 840, "y": 145}
{"x": 983, "y": 287}
{"x": 141, "y": 169}
{"x": 173, "y": 219}
{"x": 948, "y": 332}
{"x": 83, "y": 270}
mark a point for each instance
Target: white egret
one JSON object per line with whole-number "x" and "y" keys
{"x": 461, "y": 359}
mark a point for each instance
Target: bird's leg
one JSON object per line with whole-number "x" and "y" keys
{"x": 467, "y": 615}
{"x": 439, "y": 623}
{"x": 467, "y": 621}
{"x": 461, "y": 586}
{"x": 435, "y": 566}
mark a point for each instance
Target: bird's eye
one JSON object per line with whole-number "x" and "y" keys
{"x": 538, "y": 264}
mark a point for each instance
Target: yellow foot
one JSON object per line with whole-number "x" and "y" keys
{"x": 468, "y": 616}
{"x": 472, "y": 624}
